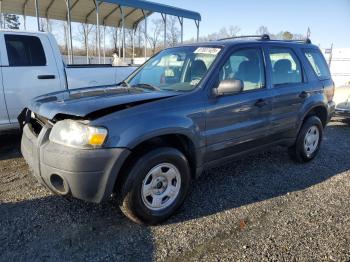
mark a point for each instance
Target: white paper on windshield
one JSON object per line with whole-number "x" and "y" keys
{"x": 207, "y": 50}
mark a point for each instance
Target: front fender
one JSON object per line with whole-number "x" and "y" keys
{"x": 136, "y": 132}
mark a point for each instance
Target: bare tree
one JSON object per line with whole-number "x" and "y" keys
{"x": 154, "y": 37}
{"x": 233, "y": 30}
{"x": 139, "y": 39}
{"x": 298, "y": 37}
{"x": 65, "y": 37}
{"x": 115, "y": 37}
{"x": 83, "y": 36}
{"x": 262, "y": 30}
{"x": 46, "y": 24}
{"x": 173, "y": 31}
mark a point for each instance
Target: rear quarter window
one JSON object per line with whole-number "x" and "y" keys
{"x": 318, "y": 63}
{"x": 23, "y": 50}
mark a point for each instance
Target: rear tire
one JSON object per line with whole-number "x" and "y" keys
{"x": 308, "y": 142}
{"x": 155, "y": 186}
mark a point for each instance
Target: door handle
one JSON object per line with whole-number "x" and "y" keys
{"x": 41, "y": 77}
{"x": 261, "y": 103}
{"x": 304, "y": 94}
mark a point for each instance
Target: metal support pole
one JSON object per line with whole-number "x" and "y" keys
{"x": 104, "y": 44}
{"x": 197, "y": 25}
{"x": 1, "y": 16}
{"x": 87, "y": 50}
{"x": 98, "y": 31}
{"x": 133, "y": 44}
{"x": 144, "y": 15}
{"x": 123, "y": 31}
{"x": 66, "y": 34}
{"x": 25, "y": 15}
{"x": 330, "y": 57}
{"x": 181, "y": 21}
{"x": 119, "y": 45}
{"x": 165, "y": 24}
{"x": 37, "y": 14}
{"x": 71, "y": 57}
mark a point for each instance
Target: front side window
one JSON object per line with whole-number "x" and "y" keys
{"x": 23, "y": 50}
{"x": 286, "y": 67}
{"x": 246, "y": 65}
{"x": 176, "y": 69}
{"x": 318, "y": 63}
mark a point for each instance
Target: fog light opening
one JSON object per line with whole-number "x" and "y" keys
{"x": 59, "y": 184}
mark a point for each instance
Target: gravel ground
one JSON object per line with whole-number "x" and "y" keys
{"x": 263, "y": 207}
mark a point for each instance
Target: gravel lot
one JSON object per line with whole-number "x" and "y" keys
{"x": 261, "y": 208}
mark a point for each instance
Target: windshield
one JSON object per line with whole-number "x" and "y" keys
{"x": 175, "y": 69}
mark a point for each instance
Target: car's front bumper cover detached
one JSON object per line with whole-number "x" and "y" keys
{"x": 88, "y": 174}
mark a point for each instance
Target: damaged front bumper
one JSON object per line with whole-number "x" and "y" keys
{"x": 88, "y": 174}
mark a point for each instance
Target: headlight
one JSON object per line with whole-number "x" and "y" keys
{"x": 75, "y": 134}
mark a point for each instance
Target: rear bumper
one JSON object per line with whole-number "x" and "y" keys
{"x": 89, "y": 175}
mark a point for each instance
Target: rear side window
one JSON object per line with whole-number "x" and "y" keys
{"x": 318, "y": 63}
{"x": 286, "y": 67}
{"x": 24, "y": 50}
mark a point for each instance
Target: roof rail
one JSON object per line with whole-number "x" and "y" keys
{"x": 305, "y": 41}
{"x": 266, "y": 37}
{"x": 261, "y": 37}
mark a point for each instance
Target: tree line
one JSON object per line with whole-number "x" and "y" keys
{"x": 86, "y": 35}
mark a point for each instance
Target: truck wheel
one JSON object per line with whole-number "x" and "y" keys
{"x": 155, "y": 186}
{"x": 309, "y": 140}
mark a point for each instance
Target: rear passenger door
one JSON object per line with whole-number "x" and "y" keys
{"x": 289, "y": 90}
{"x": 237, "y": 123}
{"x": 29, "y": 69}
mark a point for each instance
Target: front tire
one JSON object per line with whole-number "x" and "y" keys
{"x": 155, "y": 186}
{"x": 309, "y": 140}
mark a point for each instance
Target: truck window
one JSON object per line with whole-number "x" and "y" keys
{"x": 286, "y": 67}
{"x": 245, "y": 65}
{"x": 24, "y": 50}
{"x": 318, "y": 63}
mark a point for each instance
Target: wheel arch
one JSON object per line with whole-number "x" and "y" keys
{"x": 319, "y": 110}
{"x": 178, "y": 140}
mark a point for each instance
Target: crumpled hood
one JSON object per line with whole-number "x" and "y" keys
{"x": 84, "y": 102}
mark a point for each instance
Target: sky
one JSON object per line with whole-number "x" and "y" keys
{"x": 329, "y": 20}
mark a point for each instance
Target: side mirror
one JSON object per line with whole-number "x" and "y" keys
{"x": 229, "y": 87}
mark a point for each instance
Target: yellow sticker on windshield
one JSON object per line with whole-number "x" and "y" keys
{"x": 207, "y": 50}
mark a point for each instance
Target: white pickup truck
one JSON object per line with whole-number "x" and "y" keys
{"x": 31, "y": 65}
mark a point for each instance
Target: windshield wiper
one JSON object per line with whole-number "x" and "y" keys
{"x": 124, "y": 83}
{"x": 148, "y": 86}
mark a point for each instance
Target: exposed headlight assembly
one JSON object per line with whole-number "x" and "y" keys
{"x": 75, "y": 134}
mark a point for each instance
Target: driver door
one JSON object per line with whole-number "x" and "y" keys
{"x": 239, "y": 122}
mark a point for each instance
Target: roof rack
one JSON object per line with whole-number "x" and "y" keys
{"x": 266, "y": 37}
{"x": 305, "y": 41}
{"x": 261, "y": 37}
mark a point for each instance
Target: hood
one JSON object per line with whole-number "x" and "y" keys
{"x": 93, "y": 102}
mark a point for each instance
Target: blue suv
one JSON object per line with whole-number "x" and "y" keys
{"x": 186, "y": 109}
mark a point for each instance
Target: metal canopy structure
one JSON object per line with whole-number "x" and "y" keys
{"x": 124, "y": 14}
